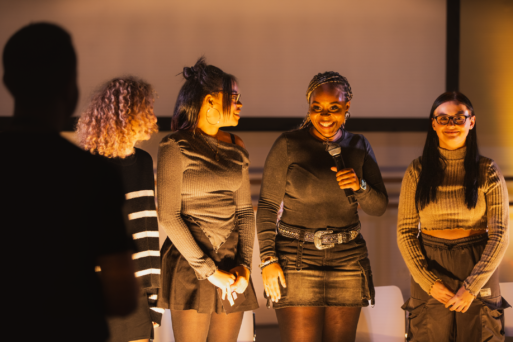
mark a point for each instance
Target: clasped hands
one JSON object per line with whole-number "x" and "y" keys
{"x": 236, "y": 280}
{"x": 459, "y": 302}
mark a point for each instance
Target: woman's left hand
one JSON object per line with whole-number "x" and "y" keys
{"x": 461, "y": 301}
{"x": 242, "y": 280}
{"x": 347, "y": 179}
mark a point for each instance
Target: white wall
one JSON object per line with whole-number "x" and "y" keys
{"x": 393, "y": 52}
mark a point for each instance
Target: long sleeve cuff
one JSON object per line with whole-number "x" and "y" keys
{"x": 155, "y": 312}
{"x": 205, "y": 270}
{"x": 156, "y": 315}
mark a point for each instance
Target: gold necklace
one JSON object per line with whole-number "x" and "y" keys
{"x": 217, "y": 146}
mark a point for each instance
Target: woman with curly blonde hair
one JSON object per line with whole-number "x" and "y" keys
{"x": 121, "y": 114}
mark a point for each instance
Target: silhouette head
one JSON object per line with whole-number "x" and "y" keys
{"x": 40, "y": 66}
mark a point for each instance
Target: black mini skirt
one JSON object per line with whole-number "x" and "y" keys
{"x": 338, "y": 276}
{"x": 181, "y": 289}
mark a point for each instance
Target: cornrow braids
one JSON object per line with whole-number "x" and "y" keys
{"x": 323, "y": 78}
{"x": 329, "y": 77}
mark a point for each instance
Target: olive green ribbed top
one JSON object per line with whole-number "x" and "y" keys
{"x": 449, "y": 211}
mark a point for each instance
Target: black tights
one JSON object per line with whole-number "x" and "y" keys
{"x": 318, "y": 324}
{"x": 191, "y": 326}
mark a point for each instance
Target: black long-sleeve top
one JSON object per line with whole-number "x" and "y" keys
{"x": 138, "y": 182}
{"x": 298, "y": 172}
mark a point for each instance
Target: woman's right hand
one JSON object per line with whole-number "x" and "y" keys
{"x": 270, "y": 275}
{"x": 223, "y": 280}
{"x": 441, "y": 293}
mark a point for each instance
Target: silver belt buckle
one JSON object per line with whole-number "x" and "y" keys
{"x": 318, "y": 239}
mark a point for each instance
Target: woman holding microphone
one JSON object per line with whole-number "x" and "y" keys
{"x": 314, "y": 262}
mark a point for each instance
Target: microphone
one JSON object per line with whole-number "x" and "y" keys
{"x": 336, "y": 152}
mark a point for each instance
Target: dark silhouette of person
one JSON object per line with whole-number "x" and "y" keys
{"x": 61, "y": 212}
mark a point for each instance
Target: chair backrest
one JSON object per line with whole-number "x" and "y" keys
{"x": 385, "y": 322}
{"x": 164, "y": 333}
{"x": 507, "y": 293}
{"x": 247, "y": 329}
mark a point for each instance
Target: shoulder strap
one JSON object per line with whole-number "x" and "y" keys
{"x": 233, "y": 138}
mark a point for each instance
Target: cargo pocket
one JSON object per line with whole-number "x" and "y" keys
{"x": 368, "y": 292}
{"x": 416, "y": 311}
{"x": 492, "y": 321}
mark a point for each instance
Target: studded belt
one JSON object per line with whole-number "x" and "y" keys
{"x": 322, "y": 239}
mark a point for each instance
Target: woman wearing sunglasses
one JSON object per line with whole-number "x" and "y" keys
{"x": 461, "y": 201}
{"x": 205, "y": 207}
{"x": 316, "y": 269}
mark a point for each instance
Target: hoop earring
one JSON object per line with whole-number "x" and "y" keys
{"x": 218, "y": 116}
{"x": 348, "y": 115}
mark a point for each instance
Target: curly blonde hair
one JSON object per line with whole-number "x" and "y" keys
{"x": 119, "y": 113}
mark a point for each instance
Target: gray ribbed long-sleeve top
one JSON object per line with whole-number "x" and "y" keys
{"x": 450, "y": 212}
{"x": 298, "y": 172}
{"x": 213, "y": 194}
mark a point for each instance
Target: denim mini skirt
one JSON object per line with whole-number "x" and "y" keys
{"x": 338, "y": 276}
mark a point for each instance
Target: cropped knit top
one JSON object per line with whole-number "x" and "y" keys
{"x": 193, "y": 187}
{"x": 449, "y": 211}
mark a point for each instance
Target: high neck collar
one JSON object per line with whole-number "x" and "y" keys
{"x": 454, "y": 154}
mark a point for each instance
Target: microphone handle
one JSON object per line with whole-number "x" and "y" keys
{"x": 339, "y": 163}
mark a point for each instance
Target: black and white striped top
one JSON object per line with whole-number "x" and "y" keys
{"x": 138, "y": 181}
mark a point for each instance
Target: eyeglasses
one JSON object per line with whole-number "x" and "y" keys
{"x": 457, "y": 120}
{"x": 235, "y": 97}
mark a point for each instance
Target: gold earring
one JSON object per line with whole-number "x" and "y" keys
{"x": 218, "y": 116}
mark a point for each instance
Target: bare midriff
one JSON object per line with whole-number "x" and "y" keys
{"x": 453, "y": 234}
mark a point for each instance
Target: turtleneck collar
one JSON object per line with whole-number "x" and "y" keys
{"x": 454, "y": 154}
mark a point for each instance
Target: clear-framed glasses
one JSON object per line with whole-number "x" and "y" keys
{"x": 457, "y": 120}
{"x": 235, "y": 98}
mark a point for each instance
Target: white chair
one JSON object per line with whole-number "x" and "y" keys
{"x": 507, "y": 293}
{"x": 164, "y": 333}
{"x": 385, "y": 321}
{"x": 247, "y": 329}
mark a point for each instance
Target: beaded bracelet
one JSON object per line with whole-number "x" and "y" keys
{"x": 271, "y": 260}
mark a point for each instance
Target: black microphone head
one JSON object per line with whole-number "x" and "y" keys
{"x": 334, "y": 149}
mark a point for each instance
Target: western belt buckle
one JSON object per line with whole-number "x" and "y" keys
{"x": 318, "y": 239}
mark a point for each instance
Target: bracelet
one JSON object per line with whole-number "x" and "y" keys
{"x": 269, "y": 261}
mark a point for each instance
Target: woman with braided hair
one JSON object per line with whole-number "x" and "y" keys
{"x": 314, "y": 260}
{"x": 205, "y": 208}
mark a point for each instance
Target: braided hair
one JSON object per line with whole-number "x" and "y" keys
{"x": 200, "y": 80}
{"x": 323, "y": 78}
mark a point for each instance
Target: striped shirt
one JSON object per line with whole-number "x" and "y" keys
{"x": 138, "y": 180}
